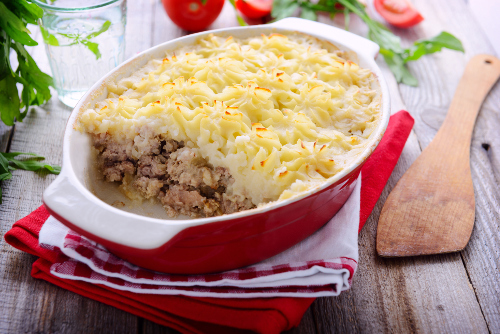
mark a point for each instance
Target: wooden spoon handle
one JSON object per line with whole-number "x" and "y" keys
{"x": 431, "y": 210}
{"x": 480, "y": 75}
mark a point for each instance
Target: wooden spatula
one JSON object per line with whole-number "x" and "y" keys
{"x": 431, "y": 210}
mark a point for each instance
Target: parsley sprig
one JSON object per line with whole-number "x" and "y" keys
{"x": 14, "y": 35}
{"x": 394, "y": 54}
{"x": 8, "y": 163}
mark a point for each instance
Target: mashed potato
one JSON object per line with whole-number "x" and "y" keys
{"x": 281, "y": 113}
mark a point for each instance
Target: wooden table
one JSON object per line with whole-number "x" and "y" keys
{"x": 453, "y": 293}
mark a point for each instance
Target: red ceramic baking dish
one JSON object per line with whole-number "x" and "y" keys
{"x": 141, "y": 235}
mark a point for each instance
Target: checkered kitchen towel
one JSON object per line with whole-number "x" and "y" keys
{"x": 321, "y": 265}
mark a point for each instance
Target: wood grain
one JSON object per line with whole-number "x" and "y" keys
{"x": 439, "y": 76}
{"x": 448, "y": 293}
{"x": 423, "y": 294}
{"x": 29, "y": 305}
{"x": 431, "y": 210}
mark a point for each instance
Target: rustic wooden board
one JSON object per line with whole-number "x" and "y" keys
{"x": 450, "y": 293}
{"x": 5, "y": 132}
{"x": 423, "y": 294}
{"x": 428, "y": 104}
{"x": 29, "y": 305}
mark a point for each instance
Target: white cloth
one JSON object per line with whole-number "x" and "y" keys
{"x": 336, "y": 244}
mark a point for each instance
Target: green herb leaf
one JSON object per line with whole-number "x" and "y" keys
{"x": 15, "y": 27}
{"x": 398, "y": 68}
{"x": 93, "y": 47}
{"x": 4, "y": 164}
{"x": 48, "y": 38}
{"x": 77, "y": 39}
{"x": 35, "y": 165}
{"x": 203, "y": 2}
{"x": 36, "y": 83}
{"x": 308, "y": 14}
{"x": 240, "y": 20}
{"x": 346, "y": 18}
{"x": 14, "y": 35}
{"x": 8, "y": 163}
{"x": 105, "y": 26}
{"x": 28, "y": 11}
{"x": 435, "y": 44}
{"x": 283, "y": 8}
{"x": 9, "y": 100}
{"x": 5, "y": 176}
{"x": 4, "y": 55}
{"x": 12, "y": 155}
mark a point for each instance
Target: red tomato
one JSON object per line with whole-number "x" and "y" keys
{"x": 192, "y": 15}
{"x": 254, "y": 9}
{"x": 399, "y": 13}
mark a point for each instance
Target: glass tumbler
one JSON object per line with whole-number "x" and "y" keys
{"x": 84, "y": 40}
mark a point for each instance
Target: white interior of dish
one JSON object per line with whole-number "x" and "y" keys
{"x": 73, "y": 194}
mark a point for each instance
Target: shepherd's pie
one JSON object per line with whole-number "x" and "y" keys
{"x": 228, "y": 124}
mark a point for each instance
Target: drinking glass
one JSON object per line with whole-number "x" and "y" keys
{"x": 84, "y": 40}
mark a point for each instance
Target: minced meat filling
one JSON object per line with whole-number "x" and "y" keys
{"x": 172, "y": 173}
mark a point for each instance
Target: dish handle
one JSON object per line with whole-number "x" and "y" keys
{"x": 352, "y": 41}
{"x": 73, "y": 205}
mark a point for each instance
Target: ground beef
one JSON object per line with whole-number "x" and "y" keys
{"x": 148, "y": 187}
{"x": 167, "y": 170}
{"x": 116, "y": 171}
{"x": 153, "y": 166}
{"x": 171, "y": 146}
{"x": 232, "y": 204}
{"x": 179, "y": 199}
{"x": 185, "y": 167}
{"x": 144, "y": 144}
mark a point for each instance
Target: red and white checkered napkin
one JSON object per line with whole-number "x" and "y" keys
{"x": 321, "y": 265}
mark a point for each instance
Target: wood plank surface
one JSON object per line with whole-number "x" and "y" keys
{"x": 428, "y": 105}
{"x": 29, "y": 305}
{"x": 456, "y": 293}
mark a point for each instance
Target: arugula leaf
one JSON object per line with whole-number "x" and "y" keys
{"x": 78, "y": 39}
{"x": 4, "y": 55}
{"x": 9, "y": 100}
{"x": 36, "y": 83}
{"x": 14, "y": 16}
{"x": 31, "y": 164}
{"x": 12, "y": 155}
{"x": 308, "y": 14}
{"x": 104, "y": 28}
{"x": 5, "y": 176}
{"x": 14, "y": 26}
{"x": 390, "y": 45}
{"x": 435, "y": 44}
{"x": 8, "y": 164}
{"x": 241, "y": 22}
{"x": 4, "y": 164}
{"x": 28, "y": 11}
{"x": 283, "y": 8}
{"x": 5, "y": 173}
{"x": 346, "y": 19}
{"x": 93, "y": 47}
{"x": 397, "y": 66}
{"x": 34, "y": 165}
{"x": 48, "y": 38}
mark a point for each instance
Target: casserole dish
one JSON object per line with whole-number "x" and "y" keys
{"x": 194, "y": 246}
